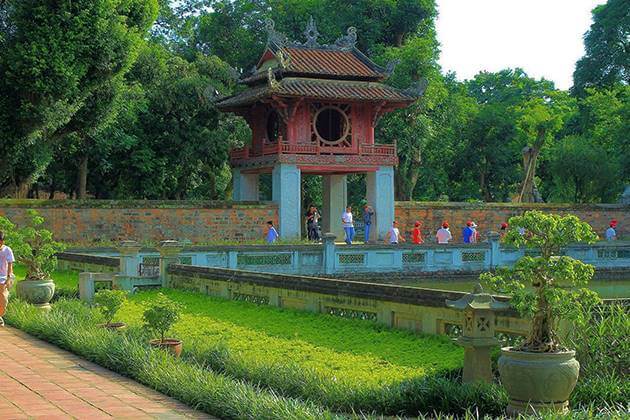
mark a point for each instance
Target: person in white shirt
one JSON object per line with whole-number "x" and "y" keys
{"x": 348, "y": 224}
{"x": 394, "y": 236}
{"x": 444, "y": 234}
{"x": 6, "y": 276}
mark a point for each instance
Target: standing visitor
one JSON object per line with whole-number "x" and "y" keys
{"x": 416, "y": 233}
{"x": 444, "y": 234}
{"x": 394, "y": 236}
{"x": 6, "y": 276}
{"x": 611, "y": 232}
{"x": 467, "y": 232}
{"x": 272, "y": 233}
{"x": 368, "y": 214}
{"x": 312, "y": 217}
{"x": 348, "y": 224}
{"x": 475, "y": 235}
{"x": 503, "y": 229}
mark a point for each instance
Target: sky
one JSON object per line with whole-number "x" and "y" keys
{"x": 543, "y": 37}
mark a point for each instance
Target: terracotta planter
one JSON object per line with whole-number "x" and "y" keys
{"x": 114, "y": 326}
{"x": 36, "y": 292}
{"x": 173, "y": 345}
{"x": 538, "y": 382}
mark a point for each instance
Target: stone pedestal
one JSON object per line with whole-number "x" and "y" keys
{"x": 169, "y": 254}
{"x": 129, "y": 258}
{"x": 329, "y": 253}
{"x": 335, "y": 202}
{"x": 380, "y": 195}
{"x": 245, "y": 186}
{"x": 286, "y": 189}
{"x": 495, "y": 249}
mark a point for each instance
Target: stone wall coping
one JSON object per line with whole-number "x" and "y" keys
{"x": 134, "y": 204}
{"x": 89, "y": 258}
{"x": 511, "y": 206}
{"x": 335, "y": 287}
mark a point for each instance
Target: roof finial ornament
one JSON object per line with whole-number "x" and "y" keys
{"x": 418, "y": 88}
{"x": 391, "y": 66}
{"x": 311, "y": 34}
{"x": 271, "y": 80}
{"x": 273, "y": 36}
{"x": 348, "y": 41}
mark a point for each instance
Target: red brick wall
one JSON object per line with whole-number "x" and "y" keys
{"x": 490, "y": 216}
{"x": 93, "y": 221}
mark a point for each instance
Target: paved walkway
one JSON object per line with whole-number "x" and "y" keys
{"x": 39, "y": 380}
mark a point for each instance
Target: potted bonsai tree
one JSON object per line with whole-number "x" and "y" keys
{"x": 160, "y": 315}
{"x": 540, "y": 373}
{"x": 109, "y": 302}
{"x": 35, "y": 248}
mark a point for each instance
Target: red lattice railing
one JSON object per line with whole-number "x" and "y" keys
{"x": 310, "y": 149}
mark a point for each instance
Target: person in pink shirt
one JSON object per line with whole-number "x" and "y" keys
{"x": 444, "y": 234}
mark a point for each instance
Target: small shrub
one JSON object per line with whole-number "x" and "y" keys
{"x": 109, "y": 302}
{"x": 161, "y": 314}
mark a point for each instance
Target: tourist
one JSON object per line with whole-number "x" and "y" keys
{"x": 394, "y": 236}
{"x": 312, "y": 219}
{"x": 416, "y": 233}
{"x": 348, "y": 224}
{"x": 467, "y": 232}
{"x": 474, "y": 238}
{"x": 272, "y": 233}
{"x": 503, "y": 229}
{"x": 368, "y": 215}
{"x": 611, "y": 232}
{"x": 6, "y": 276}
{"x": 444, "y": 234}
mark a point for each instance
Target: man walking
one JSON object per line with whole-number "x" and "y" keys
{"x": 368, "y": 214}
{"x": 6, "y": 275}
{"x": 348, "y": 224}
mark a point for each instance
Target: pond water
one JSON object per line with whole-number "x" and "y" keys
{"x": 607, "y": 289}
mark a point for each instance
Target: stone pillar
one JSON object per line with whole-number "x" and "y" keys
{"x": 380, "y": 195}
{"x": 169, "y": 254}
{"x": 477, "y": 333}
{"x": 329, "y": 253}
{"x": 335, "y": 202}
{"x": 286, "y": 188}
{"x": 245, "y": 186}
{"x": 495, "y": 249}
{"x": 129, "y": 258}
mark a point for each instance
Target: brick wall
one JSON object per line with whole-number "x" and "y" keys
{"x": 489, "y": 216}
{"x": 87, "y": 222}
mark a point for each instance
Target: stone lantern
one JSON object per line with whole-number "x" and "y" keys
{"x": 478, "y": 332}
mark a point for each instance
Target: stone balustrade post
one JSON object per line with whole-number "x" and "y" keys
{"x": 329, "y": 253}
{"x": 477, "y": 333}
{"x": 169, "y": 254}
{"x": 129, "y": 258}
{"x": 495, "y": 249}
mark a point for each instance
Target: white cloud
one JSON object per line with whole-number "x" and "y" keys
{"x": 544, "y": 37}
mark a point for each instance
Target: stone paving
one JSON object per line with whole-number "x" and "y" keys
{"x": 39, "y": 380}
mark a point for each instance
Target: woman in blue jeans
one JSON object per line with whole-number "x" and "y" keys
{"x": 348, "y": 225}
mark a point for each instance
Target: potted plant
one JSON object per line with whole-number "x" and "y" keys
{"x": 540, "y": 373}
{"x": 34, "y": 247}
{"x": 109, "y": 302}
{"x": 159, "y": 317}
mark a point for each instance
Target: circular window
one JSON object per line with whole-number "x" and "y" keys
{"x": 331, "y": 125}
{"x": 273, "y": 126}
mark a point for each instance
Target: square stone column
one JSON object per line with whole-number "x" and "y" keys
{"x": 380, "y": 195}
{"x": 129, "y": 258}
{"x": 245, "y": 186}
{"x": 335, "y": 201}
{"x": 169, "y": 254}
{"x": 286, "y": 192}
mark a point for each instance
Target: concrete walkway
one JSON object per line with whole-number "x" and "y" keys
{"x": 39, "y": 380}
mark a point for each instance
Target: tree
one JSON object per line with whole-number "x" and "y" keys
{"x": 606, "y": 61}
{"x": 53, "y": 57}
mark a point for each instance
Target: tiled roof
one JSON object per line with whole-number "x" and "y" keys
{"x": 330, "y": 63}
{"x": 319, "y": 89}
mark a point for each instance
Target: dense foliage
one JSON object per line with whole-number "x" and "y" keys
{"x": 160, "y": 315}
{"x": 141, "y": 124}
{"x": 557, "y": 282}
{"x": 109, "y": 302}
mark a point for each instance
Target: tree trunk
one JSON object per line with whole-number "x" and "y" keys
{"x": 530, "y": 158}
{"x": 82, "y": 178}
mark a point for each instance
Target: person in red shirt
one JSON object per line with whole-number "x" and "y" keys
{"x": 416, "y": 234}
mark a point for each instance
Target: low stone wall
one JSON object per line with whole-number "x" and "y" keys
{"x": 419, "y": 310}
{"x": 94, "y": 221}
{"x": 88, "y": 263}
{"x": 489, "y": 216}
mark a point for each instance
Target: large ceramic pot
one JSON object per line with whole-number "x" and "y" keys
{"x": 36, "y": 292}
{"x": 172, "y": 345}
{"x": 538, "y": 382}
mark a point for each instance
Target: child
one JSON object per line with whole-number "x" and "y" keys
{"x": 611, "y": 233}
{"x": 503, "y": 229}
{"x": 444, "y": 234}
{"x": 394, "y": 236}
{"x": 416, "y": 234}
{"x": 272, "y": 233}
{"x": 6, "y": 276}
{"x": 468, "y": 232}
